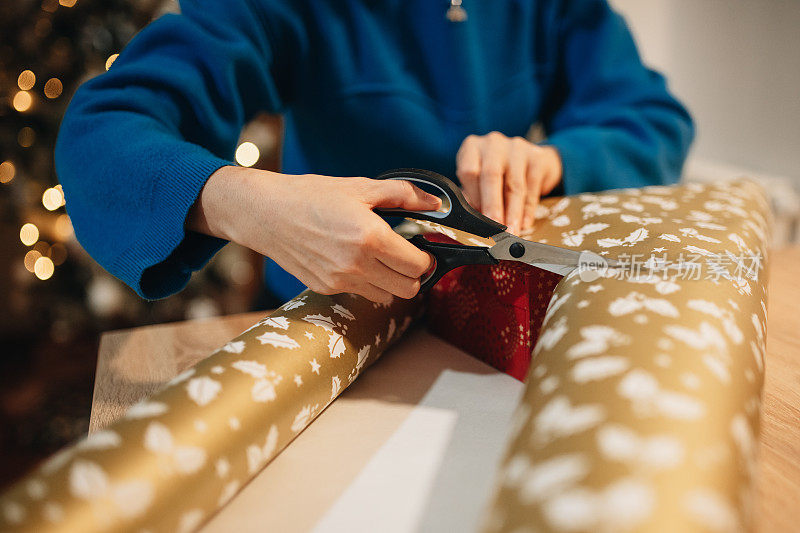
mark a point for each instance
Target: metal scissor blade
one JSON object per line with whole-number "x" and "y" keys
{"x": 561, "y": 270}
{"x": 513, "y": 248}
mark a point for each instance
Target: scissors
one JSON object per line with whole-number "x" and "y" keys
{"x": 456, "y": 213}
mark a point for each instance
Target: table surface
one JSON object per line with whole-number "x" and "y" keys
{"x": 137, "y": 362}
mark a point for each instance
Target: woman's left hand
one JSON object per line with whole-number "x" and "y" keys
{"x": 504, "y": 177}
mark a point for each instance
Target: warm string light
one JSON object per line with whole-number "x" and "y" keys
{"x": 22, "y": 101}
{"x": 52, "y": 199}
{"x": 29, "y": 234}
{"x": 241, "y": 273}
{"x": 63, "y": 227}
{"x": 53, "y": 88}
{"x": 110, "y": 60}
{"x": 44, "y": 268}
{"x": 30, "y": 259}
{"x": 58, "y": 253}
{"x": 43, "y": 27}
{"x": 42, "y": 247}
{"x": 26, "y": 137}
{"x": 7, "y": 171}
{"x": 26, "y": 80}
{"x": 247, "y": 154}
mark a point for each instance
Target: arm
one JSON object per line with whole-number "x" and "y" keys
{"x": 138, "y": 143}
{"x": 611, "y": 119}
{"x": 144, "y": 157}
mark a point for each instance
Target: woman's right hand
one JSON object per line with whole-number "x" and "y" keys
{"x": 320, "y": 229}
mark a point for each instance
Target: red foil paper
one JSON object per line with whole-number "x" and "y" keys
{"x": 493, "y": 313}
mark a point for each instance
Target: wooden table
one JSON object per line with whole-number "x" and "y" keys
{"x": 134, "y": 363}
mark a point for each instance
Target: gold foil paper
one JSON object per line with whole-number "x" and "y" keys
{"x": 641, "y": 409}
{"x": 642, "y": 403}
{"x": 178, "y": 456}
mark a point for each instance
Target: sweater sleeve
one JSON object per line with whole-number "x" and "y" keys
{"x": 138, "y": 142}
{"x": 611, "y": 118}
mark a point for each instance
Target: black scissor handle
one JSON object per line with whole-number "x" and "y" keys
{"x": 449, "y": 256}
{"x": 458, "y": 215}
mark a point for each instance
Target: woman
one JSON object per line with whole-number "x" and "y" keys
{"x": 144, "y": 152}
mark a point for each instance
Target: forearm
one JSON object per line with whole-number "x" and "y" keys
{"x": 211, "y": 213}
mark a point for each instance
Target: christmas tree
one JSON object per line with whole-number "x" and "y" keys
{"x": 57, "y": 300}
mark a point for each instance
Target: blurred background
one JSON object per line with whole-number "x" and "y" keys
{"x": 733, "y": 62}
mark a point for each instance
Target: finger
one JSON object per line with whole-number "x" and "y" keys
{"x": 374, "y": 294}
{"x": 516, "y": 186}
{"x": 401, "y": 194}
{"x": 391, "y": 281}
{"x": 493, "y": 166}
{"x": 468, "y": 169}
{"x": 534, "y": 192}
{"x": 401, "y": 256}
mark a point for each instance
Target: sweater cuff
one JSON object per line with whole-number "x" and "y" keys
{"x": 165, "y": 254}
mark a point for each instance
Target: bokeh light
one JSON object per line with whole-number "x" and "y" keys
{"x": 247, "y": 154}
{"x": 41, "y": 247}
{"x": 110, "y": 60}
{"x": 53, "y": 88}
{"x": 63, "y": 227}
{"x": 67, "y": 3}
{"x": 22, "y": 101}
{"x": 43, "y": 27}
{"x": 52, "y": 199}
{"x": 241, "y": 273}
{"x": 29, "y": 234}
{"x": 26, "y": 137}
{"x": 58, "y": 253}
{"x": 30, "y": 259}
{"x": 26, "y": 80}
{"x": 7, "y": 171}
{"x": 44, "y": 268}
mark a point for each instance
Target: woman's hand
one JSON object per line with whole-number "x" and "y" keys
{"x": 320, "y": 229}
{"x": 504, "y": 177}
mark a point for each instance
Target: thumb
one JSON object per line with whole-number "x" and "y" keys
{"x": 400, "y": 194}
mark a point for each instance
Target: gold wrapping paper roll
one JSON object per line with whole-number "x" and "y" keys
{"x": 642, "y": 404}
{"x": 178, "y": 456}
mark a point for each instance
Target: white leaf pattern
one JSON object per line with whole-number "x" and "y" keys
{"x": 558, "y": 419}
{"x": 322, "y": 321}
{"x": 336, "y": 345}
{"x": 280, "y": 322}
{"x": 252, "y": 368}
{"x": 263, "y": 391}
{"x": 597, "y": 340}
{"x": 203, "y": 390}
{"x": 87, "y": 480}
{"x": 103, "y": 439}
{"x": 302, "y": 419}
{"x": 234, "y": 347}
{"x": 343, "y": 312}
{"x": 278, "y": 340}
{"x": 363, "y": 354}
{"x": 158, "y": 438}
{"x": 294, "y": 304}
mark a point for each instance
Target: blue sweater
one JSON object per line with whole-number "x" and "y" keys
{"x": 364, "y": 86}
